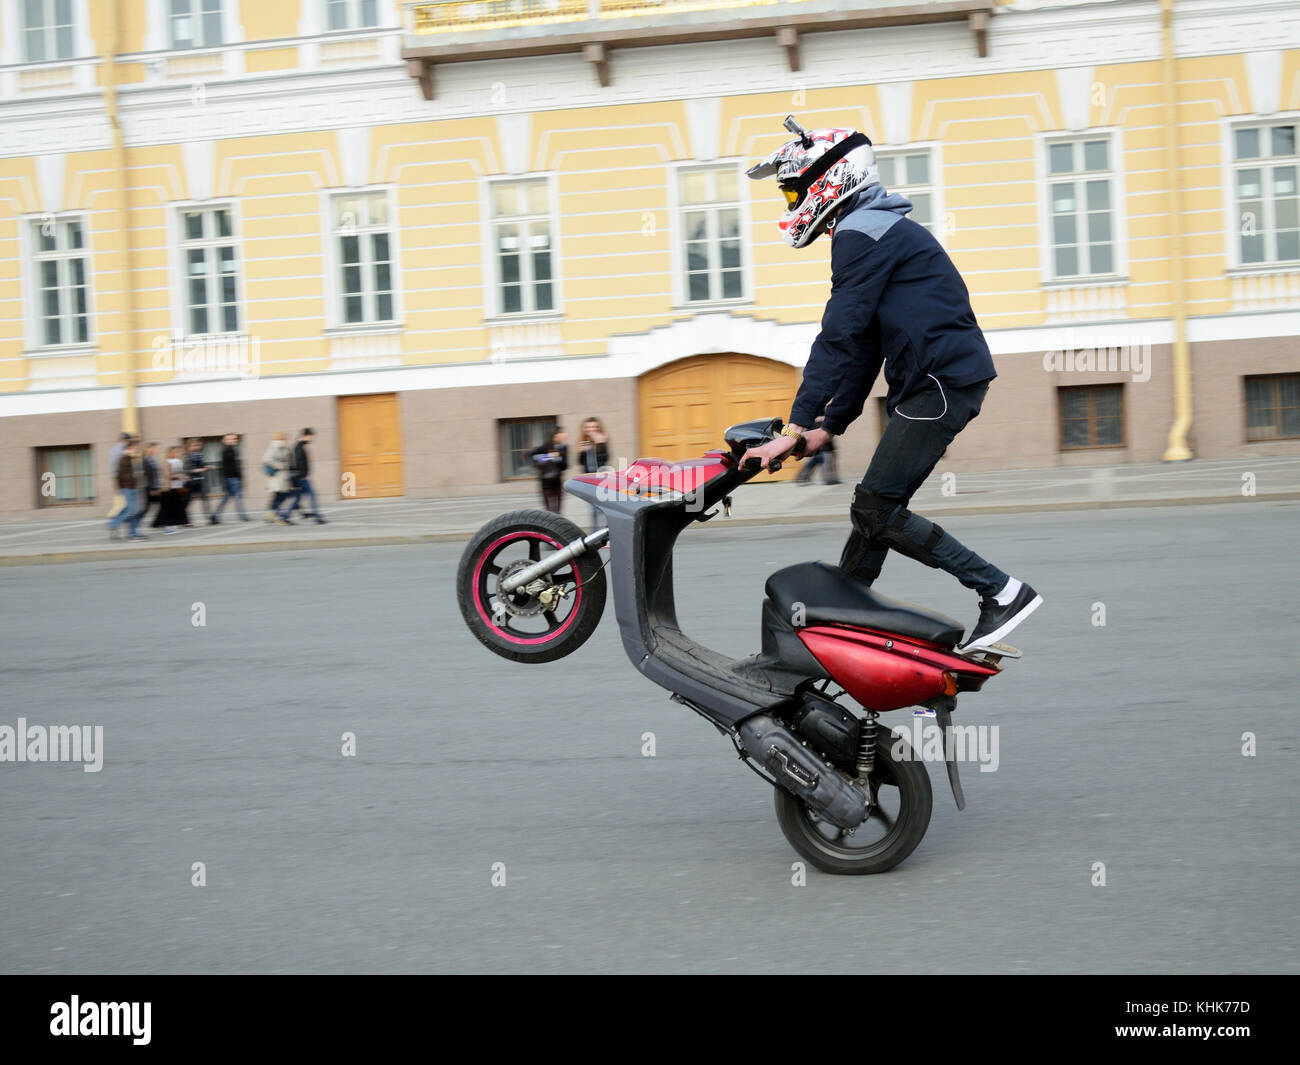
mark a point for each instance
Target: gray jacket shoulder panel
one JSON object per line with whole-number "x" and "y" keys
{"x": 875, "y": 224}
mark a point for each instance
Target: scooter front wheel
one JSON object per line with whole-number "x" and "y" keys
{"x": 556, "y": 615}
{"x": 901, "y": 801}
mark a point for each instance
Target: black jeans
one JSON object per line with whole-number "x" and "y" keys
{"x": 918, "y": 433}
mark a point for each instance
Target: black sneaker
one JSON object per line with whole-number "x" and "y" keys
{"x": 996, "y": 621}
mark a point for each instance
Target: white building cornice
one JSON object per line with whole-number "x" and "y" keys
{"x": 1093, "y": 34}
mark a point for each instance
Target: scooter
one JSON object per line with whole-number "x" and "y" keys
{"x": 851, "y": 795}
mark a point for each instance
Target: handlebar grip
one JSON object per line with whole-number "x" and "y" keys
{"x": 774, "y": 465}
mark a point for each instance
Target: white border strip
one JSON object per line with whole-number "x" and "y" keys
{"x": 627, "y": 357}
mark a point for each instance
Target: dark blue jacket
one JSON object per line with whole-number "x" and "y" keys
{"x": 897, "y": 300}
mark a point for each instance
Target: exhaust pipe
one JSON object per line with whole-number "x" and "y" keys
{"x": 801, "y": 772}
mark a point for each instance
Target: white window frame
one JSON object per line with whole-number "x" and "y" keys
{"x": 1231, "y": 212}
{"x": 492, "y": 274}
{"x": 158, "y": 33}
{"x": 681, "y": 300}
{"x": 180, "y": 272}
{"x": 49, "y": 29}
{"x": 34, "y": 318}
{"x": 934, "y": 188}
{"x": 196, "y": 19}
{"x": 333, "y": 260}
{"x": 354, "y": 8}
{"x": 1118, "y": 210}
{"x": 13, "y": 41}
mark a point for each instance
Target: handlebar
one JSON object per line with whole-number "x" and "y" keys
{"x": 752, "y": 467}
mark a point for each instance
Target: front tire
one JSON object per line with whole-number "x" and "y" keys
{"x": 901, "y": 805}
{"x": 537, "y": 627}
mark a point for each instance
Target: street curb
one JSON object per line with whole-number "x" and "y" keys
{"x": 391, "y": 540}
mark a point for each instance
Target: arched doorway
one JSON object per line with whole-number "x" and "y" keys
{"x": 686, "y": 405}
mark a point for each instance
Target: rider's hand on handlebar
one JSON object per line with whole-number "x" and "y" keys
{"x": 774, "y": 449}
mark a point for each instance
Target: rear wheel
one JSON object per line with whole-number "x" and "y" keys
{"x": 899, "y": 814}
{"x": 557, "y": 613}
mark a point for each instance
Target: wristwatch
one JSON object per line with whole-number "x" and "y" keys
{"x": 791, "y": 430}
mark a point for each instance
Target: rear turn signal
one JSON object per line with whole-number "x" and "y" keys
{"x": 949, "y": 683}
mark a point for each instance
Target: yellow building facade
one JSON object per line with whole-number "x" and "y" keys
{"x": 430, "y": 231}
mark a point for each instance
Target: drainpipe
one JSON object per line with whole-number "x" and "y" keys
{"x": 121, "y": 221}
{"x": 1176, "y": 449}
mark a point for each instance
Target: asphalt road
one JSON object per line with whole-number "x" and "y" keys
{"x": 1119, "y": 744}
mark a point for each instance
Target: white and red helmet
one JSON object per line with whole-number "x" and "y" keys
{"x": 816, "y": 172}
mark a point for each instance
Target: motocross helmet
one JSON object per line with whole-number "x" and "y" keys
{"x": 817, "y": 172}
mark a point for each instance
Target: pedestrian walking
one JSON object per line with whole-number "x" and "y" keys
{"x": 550, "y": 461}
{"x": 172, "y": 506}
{"x": 276, "y": 461}
{"x": 128, "y": 477}
{"x": 196, "y": 473}
{"x": 151, "y": 492}
{"x": 232, "y": 478}
{"x": 825, "y": 458}
{"x": 300, "y": 478}
{"x": 115, "y": 457}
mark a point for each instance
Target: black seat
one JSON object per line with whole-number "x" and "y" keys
{"x": 831, "y": 597}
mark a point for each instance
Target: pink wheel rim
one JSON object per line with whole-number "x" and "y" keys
{"x": 487, "y": 620}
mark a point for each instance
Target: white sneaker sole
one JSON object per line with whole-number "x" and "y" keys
{"x": 986, "y": 643}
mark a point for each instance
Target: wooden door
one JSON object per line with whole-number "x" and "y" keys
{"x": 370, "y": 445}
{"x": 686, "y": 405}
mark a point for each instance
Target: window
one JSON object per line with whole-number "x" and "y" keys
{"x": 1079, "y": 201}
{"x": 908, "y": 174}
{"x": 522, "y": 246}
{"x": 1273, "y": 407}
{"x": 519, "y": 436}
{"x": 64, "y": 475}
{"x": 1091, "y": 416}
{"x": 63, "y": 315}
{"x": 351, "y": 14}
{"x": 211, "y": 271}
{"x": 1264, "y": 176}
{"x": 47, "y": 30}
{"x": 710, "y": 228}
{"x": 363, "y": 245}
{"x": 195, "y": 23}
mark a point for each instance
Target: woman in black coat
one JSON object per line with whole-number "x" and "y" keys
{"x": 593, "y": 455}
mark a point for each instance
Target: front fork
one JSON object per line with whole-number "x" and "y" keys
{"x": 523, "y": 580}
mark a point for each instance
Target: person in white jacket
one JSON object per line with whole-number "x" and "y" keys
{"x": 276, "y": 461}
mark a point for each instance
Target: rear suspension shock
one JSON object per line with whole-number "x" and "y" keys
{"x": 867, "y": 745}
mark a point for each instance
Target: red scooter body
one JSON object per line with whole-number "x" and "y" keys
{"x": 887, "y": 672}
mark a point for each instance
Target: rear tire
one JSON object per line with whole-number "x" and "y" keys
{"x": 520, "y": 627}
{"x": 817, "y": 840}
